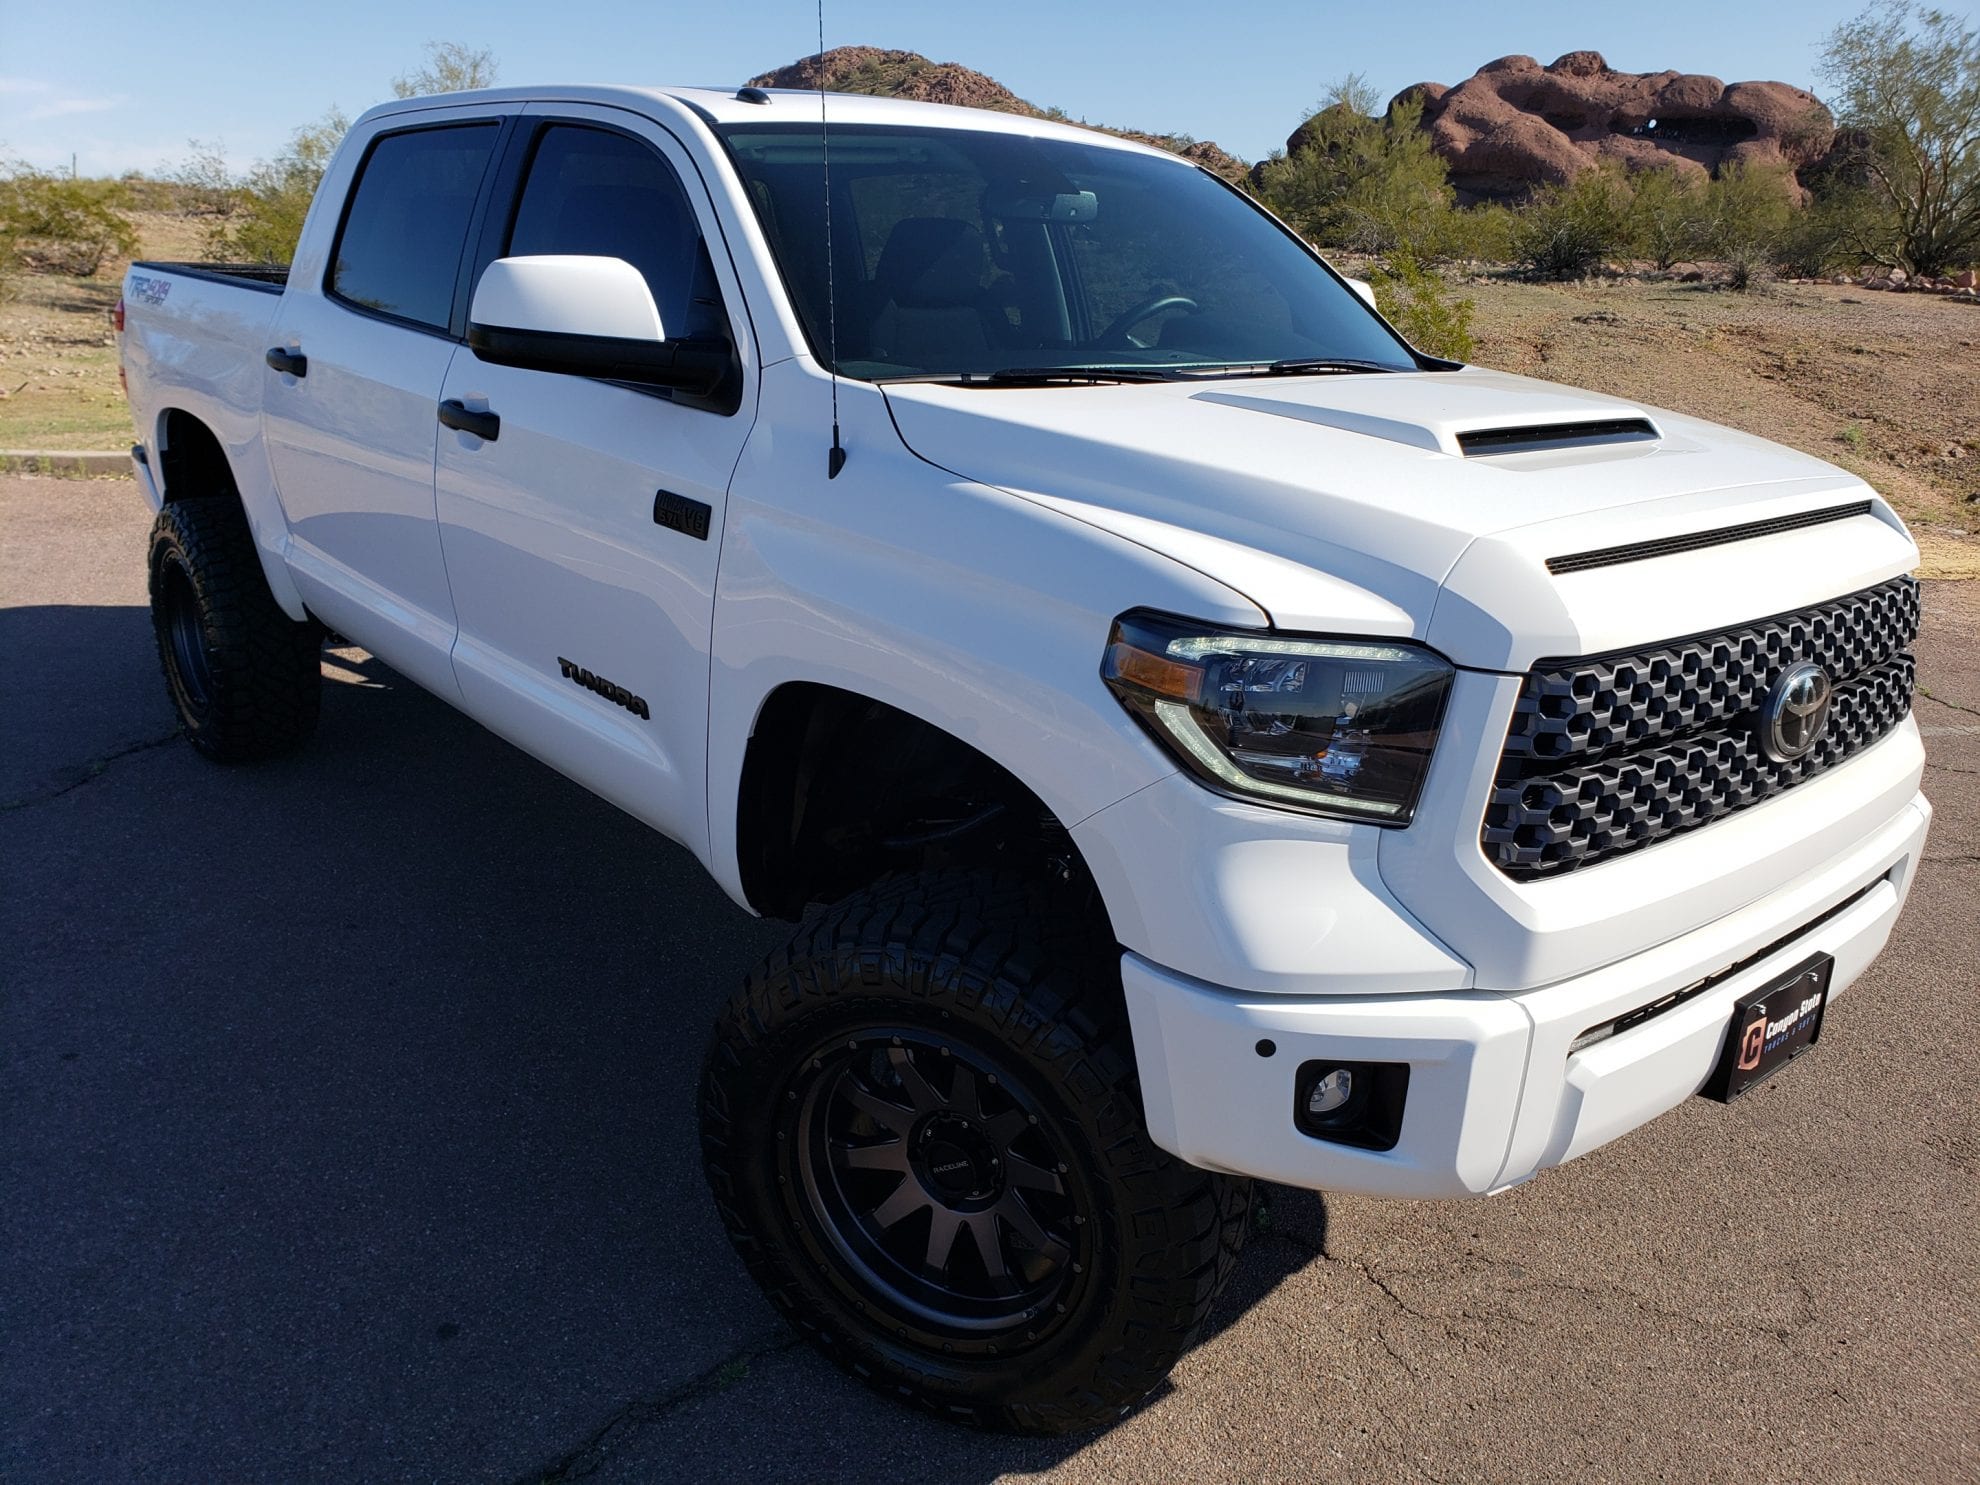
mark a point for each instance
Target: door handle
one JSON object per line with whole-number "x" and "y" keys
{"x": 289, "y": 363}
{"x": 455, "y": 414}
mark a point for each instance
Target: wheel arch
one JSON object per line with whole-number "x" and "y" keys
{"x": 839, "y": 789}
{"x": 192, "y": 462}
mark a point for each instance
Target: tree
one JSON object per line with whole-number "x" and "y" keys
{"x": 1354, "y": 181}
{"x": 450, "y": 68}
{"x": 1908, "y": 83}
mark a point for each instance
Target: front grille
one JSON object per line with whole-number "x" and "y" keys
{"x": 1609, "y": 754}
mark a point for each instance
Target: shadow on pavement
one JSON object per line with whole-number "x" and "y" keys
{"x": 349, "y": 1104}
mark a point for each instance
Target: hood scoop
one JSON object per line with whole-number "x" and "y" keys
{"x": 1545, "y": 438}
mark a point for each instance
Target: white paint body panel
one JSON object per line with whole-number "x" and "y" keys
{"x": 567, "y": 294}
{"x": 966, "y": 567}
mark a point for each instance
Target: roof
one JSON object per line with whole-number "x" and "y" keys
{"x": 727, "y": 106}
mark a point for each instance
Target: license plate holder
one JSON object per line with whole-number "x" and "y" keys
{"x": 1771, "y": 1026}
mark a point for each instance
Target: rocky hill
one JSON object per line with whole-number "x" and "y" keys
{"x": 1511, "y": 126}
{"x": 894, "y": 74}
{"x": 1514, "y": 124}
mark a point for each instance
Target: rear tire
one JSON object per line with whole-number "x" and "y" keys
{"x": 245, "y": 678}
{"x": 922, "y": 1128}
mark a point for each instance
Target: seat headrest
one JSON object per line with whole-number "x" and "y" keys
{"x": 931, "y": 263}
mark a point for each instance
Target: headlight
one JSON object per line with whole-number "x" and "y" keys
{"x": 1332, "y": 726}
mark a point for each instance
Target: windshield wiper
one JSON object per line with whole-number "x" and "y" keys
{"x": 1040, "y": 375}
{"x": 1034, "y": 376}
{"x": 1321, "y": 366}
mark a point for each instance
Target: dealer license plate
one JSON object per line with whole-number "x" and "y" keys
{"x": 1771, "y": 1026}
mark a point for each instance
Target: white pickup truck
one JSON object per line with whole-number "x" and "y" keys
{"x": 1198, "y": 736}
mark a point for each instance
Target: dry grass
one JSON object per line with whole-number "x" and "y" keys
{"x": 58, "y": 356}
{"x": 1887, "y": 385}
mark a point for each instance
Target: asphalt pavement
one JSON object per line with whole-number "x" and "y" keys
{"x": 347, "y": 1134}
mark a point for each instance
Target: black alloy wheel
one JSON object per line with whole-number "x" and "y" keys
{"x": 924, "y": 1166}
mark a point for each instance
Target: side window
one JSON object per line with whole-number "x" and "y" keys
{"x": 600, "y": 194}
{"x": 407, "y": 222}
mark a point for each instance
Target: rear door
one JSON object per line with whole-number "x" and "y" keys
{"x": 581, "y": 541}
{"x": 350, "y": 429}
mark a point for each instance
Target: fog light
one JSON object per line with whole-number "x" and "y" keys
{"x": 1333, "y": 1090}
{"x": 1351, "y": 1103}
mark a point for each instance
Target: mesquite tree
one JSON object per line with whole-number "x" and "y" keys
{"x": 1908, "y": 82}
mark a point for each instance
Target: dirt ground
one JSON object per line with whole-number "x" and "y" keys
{"x": 1887, "y": 385}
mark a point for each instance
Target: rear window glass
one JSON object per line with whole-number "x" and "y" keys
{"x": 401, "y": 245}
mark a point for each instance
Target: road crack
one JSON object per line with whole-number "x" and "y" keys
{"x": 638, "y": 1414}
{"x": 1958, "y": 706}
{"x": 87, "y": 773}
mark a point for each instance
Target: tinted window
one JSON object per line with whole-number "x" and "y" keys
{"x": 600, "y": 194}
{"x": 408, "y": 221}
{"x": 959, "y": 251}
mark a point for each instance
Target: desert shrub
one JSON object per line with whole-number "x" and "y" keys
{"x": 1367, "y": 184}
{"x": 1745, "y": 210}
{"x": 1482, "y": 234}
{"x": 203, "y": 185}
{"x": 1565, "y": 230}
{"x": 58, "y": 224}
{"x": 1666, "y": 212}
{"x": 1418, "y": 302}
{"x": 1824, "y": 236}
{"x": 273, "y": 199}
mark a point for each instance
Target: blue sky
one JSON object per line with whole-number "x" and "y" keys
{"x": 125, "y": 85}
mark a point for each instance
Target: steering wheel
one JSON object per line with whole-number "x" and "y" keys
{"x": 1115, "y": 337}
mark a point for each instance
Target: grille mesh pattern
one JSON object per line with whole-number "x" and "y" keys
{"x": 1607, "y": 755}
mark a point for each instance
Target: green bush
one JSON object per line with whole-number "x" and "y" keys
{"x": 1566, "y": 230}
{"x": 1666, "y": 214}
{"x": 1418, "y": 303}
{"x": 56, "y": 224}
{"x": 274, "y": 198}
{"x": 1482, "y": 234}
{"x": 1369, "y": 185}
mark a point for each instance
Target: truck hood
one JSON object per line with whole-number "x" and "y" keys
{"x": 1358, "y": 503}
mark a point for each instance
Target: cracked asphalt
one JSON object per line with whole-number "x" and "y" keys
{"x": 346, "y": 1134}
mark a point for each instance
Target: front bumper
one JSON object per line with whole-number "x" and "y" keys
{"x": 1495, "y": 1092}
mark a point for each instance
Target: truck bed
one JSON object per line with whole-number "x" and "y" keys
{"x": 270, "y": 278}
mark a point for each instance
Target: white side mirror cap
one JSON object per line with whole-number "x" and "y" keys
{"x": 1365, "y": 289}
{"x": 566, "y": 294}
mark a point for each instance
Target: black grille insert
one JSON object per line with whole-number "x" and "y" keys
{"x": 1610, "y": 753}
{"x": 1536, "y": 437}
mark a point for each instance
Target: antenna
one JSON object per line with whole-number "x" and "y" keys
{"x": 836, "y": 459}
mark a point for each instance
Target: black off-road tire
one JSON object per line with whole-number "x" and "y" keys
{"x": 939, "y": 1000}
{"x": 246, "y": 679}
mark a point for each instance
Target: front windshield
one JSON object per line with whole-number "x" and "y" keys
{"x": 959, "y": 253}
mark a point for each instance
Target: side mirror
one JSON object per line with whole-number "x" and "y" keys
{"x": 1365, "y": 289}
{"x": 585, "y": 316}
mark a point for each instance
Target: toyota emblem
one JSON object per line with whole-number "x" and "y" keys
{"x": 1795, "y": 713}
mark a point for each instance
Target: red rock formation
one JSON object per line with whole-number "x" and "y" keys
{"x": 896, "y": 74}
{"x": 1515, "y": 125}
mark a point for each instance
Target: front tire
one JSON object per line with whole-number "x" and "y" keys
{"x": 245, "y": 678}
{"x": 921, "y": 1125}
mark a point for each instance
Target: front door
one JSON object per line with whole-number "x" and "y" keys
{"x": 581, "y": 539}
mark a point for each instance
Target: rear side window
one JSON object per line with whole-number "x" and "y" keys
{"x": 401, "y": 244}
{"x": 600, "y": 194}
